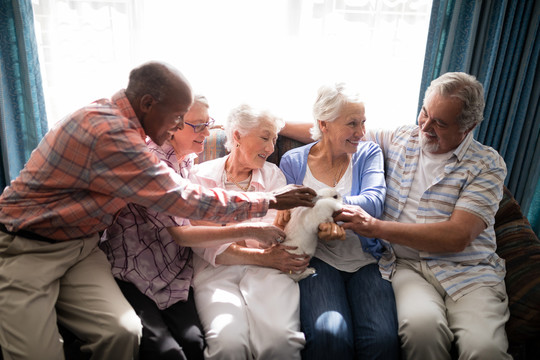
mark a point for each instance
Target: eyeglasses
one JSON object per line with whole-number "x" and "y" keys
{"x": 200, "y": 127}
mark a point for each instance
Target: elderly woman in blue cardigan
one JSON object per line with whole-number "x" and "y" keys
{"x": 347, "y": 310}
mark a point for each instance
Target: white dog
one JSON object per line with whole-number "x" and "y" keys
{"x": 302, "y": 228}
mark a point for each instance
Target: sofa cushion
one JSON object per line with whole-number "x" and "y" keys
{"x": 519, "y": 246}
{"x": 214, "y": 146}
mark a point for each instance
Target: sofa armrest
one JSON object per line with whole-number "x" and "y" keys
{"x": 519, "y": 246}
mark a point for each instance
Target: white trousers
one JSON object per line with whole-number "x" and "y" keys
{"x": 248, "y": 312}
{"x": 69, "y": 282}
{"x": 430, "y": 321}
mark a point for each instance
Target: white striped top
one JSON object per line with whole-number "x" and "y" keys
{"x": 472, "y": 181}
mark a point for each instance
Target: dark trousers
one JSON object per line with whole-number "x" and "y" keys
{"x": 173, "y": 333}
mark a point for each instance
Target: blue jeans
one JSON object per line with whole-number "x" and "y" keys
{"x": 348, "y": 315}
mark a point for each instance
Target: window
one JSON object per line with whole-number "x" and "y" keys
{"x": 270, "y": 53}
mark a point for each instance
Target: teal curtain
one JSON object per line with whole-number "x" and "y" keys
{"x": 498, "y": 42}
{"x": 23, "y": 121}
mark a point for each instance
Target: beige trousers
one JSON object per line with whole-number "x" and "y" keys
{"x": 430, "y": 321}
{"x": 69, "y": 282}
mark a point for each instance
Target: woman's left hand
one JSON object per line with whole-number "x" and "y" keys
{"x": 282, "y": 218}
{"x": 279, "y": 258}
{"x": 331, "y": 231}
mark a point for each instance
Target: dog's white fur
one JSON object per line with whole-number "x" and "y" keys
{"x": 303, "y": 226}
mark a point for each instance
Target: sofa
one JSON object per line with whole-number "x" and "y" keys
{"x": 516, "y": 243}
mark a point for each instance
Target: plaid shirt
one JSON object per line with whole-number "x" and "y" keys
{"x": 141, "y": 250}
{"x": 93, "y": 164}
{"x": 472, "y": 181}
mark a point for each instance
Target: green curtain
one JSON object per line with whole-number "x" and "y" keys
{"x": 23, "y": 121}
{"x": 498, "y": 42}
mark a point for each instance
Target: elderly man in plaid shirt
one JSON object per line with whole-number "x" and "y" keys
{"x": 87, "y": 168}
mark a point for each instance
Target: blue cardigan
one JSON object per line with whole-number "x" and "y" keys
{"x": 368, "y": 185}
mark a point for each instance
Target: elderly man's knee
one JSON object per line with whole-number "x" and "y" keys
{"x": 126, "y": 329}
{"x": 426, "y": 328}
{"x": 481, "y": 346}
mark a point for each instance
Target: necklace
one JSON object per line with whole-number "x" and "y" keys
{"x": 244, "y": 188}
{"x": 338, "y": 174}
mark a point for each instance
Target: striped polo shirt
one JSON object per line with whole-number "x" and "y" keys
{"x": 472, "y": 181}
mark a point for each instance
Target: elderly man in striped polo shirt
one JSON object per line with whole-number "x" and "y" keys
{"x": 443, "y": 190}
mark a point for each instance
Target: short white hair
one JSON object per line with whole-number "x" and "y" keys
{"x": 331, "y": 98}
{"x": 245, "y": 118}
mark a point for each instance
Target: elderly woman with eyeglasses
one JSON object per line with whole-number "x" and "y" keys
{"x": 247, "y": 303}
{"x": 151, "y": 259}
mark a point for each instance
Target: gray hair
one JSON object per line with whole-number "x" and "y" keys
{"x": 329, "y": 103}
{"x": 201, "y": 99}
{"x": 466, "y": 88}
{"x": 244, "y": 119}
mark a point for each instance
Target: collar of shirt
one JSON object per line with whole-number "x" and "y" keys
{"x": 120, "y": 99}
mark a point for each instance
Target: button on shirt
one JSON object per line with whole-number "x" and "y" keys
{"x": 472, "y": 181}
{"x": 141, "y": 250}
{"x": 93, "y": 164}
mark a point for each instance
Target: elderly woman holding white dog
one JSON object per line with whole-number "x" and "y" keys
{"x": 347, "y": 309}
{"x": 249, "y": 309}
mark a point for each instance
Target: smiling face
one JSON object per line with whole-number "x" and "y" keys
{"x": 255, "y": 146}
{"x": 440, "y": 131}
{"x": 187, "y": 141}
{"x": 345, "y": 132}
{"x": 161, "y": 118}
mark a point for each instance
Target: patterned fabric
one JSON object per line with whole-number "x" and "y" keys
{"x": 472, "y": 181}
{"x": 93, "y": 164}
{"x": 141, "y": 250}
{"x": 214, "y": 146}
{"x": 520, "y": 247}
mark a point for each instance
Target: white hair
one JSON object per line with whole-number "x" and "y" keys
{"x": 329, "y": 103}
{"x": 244, "y": 119}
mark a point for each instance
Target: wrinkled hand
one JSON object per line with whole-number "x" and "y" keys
{"x": 279, "y": 258}
{"x": 291, "y": 196}
{"x": 266, "y": 234}
{"x": 331, "y": 231}
{"x": 356, "y": 219}
{"x": 282, "y": 218}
